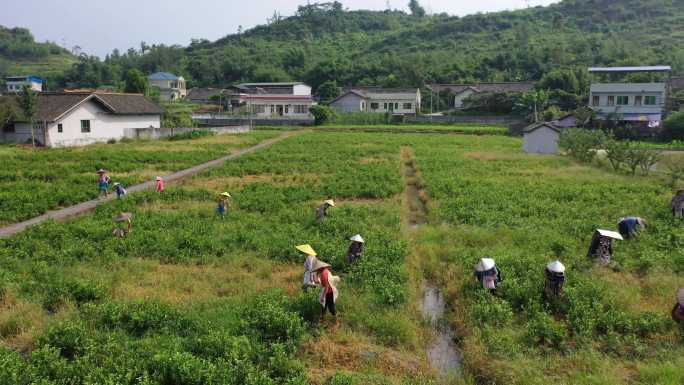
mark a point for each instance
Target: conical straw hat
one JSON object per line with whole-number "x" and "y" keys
{"x": 101, "y": 171}
{"x": 225, "y": 194}
{"x": 123, "y": 217}
{"x": 357, "y": 238}
{"x": 159, "y": 178}
{"x": 556, "y": 267}
{"x": 318, "y": 265}
{"x": 306, "y": 249}
{"x": 485, "y": 264}
{"x": 330, "y": 202}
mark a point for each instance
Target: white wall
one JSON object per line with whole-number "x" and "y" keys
{"x": 541, "y": 141}
{"x": 348, "y": 103}
{"x": 458, "y": 99}
{"x": 103, "y": 126}
{"x": 301, "y": 89}
{"x": 399, "y": 110}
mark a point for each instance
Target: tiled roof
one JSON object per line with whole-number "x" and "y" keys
{"x": 486, "y": 87}
{"x": 203, "y": 93}
{"x": 163, "y": 76}
{"x": 51, "y": 106}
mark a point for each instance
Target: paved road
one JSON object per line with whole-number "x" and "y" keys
{"x": 82, "y": 208}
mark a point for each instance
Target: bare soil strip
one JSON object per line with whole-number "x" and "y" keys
{"x": 442, "y": 354}
{"x": 82, "y": 208}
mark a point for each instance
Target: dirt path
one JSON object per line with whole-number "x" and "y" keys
{"x": 442, "y": 353}
{"x": 82, "y": 208}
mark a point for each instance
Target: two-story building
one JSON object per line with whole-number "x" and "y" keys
{"x": 626, "y": 101}
{"x": 272, "y": 100}
{"x": 171, "y": 87}
{"x": 379, "y": 100}
{"x": 16, "y": 83}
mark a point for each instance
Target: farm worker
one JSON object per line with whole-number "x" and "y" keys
{"x": 310, "y": 279}
{"x": 120, "y": 190}
{"x": 329, "y": 293}
{"x": 555, "y": 279}
{"x": 677, "y": 204}
{"x": 322, "y": 210}
{"x": 488, "y": 274}
{"x": 678, "y": 311}
{"x": 223, "y": 204}
{"x": 630, "y": 226}
{"x": 602, "y": 245}
{"x": 103, "y": 182}
{"x": 119, "y": 220}
{"x": 355, "y": 248}
{"x": 160, "y": 184}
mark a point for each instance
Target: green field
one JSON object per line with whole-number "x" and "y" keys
{"x": 189, "y": 298}
{"x": 35, "y": 181}
{"x": 473, "y": 129}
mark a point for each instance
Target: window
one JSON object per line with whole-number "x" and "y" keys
{"x": 595, "y": 100}
{"x": 650, "y": 100}
{"x": 637, "y": 100}
{"x": 396, "y": 106}
{"x": 272, "y": 109}
{"x": 407, "y": 106}
{"x": 85, "y": 125}
{"x": 60, "y": 129}
{"x": 611, "y": 100}
{"x": 385, "y": 106}
{"x": 375, "y": 106}
{"x": 260, "y": 108}
{"x": 8, "y": 127}
{"x": 300, "y": 109}
{"x": 287, "y": 109}
{"x": 363, "y": 105}
{"x": 622, "y": 100}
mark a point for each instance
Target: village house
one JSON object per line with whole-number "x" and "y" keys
{"x": 541, "y": 138}
{"x": 76, "y": 119}
{"x": 642, "y": 103}
{"x": 16, "y": 83}
{"x": 205, "y": 95}
{"x": 380, "y": 100}
{"x": 272, "y": 100}
{"x": 463, "y": 91}
{"x": 171, "y": 87}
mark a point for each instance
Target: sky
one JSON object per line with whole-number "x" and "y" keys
{"x": 99, "y": 26}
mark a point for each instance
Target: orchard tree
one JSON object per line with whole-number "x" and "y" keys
{"x": 328, "y": 91}
{"x": 416, "y": 9}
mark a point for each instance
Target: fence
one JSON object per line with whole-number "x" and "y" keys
{"x": 158, "y": 133}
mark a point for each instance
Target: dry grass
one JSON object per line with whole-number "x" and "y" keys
{"x": 637, "y": 294}
{"x": 182, "y": 206}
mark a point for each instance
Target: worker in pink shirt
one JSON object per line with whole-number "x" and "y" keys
{"x": 160, "y": 184}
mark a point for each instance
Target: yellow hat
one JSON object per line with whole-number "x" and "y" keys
{"x": 225, "y": 194}
{"x": 306, "y": 249}
{"x": 330, "y": 202}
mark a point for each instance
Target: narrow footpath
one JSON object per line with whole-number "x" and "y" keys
{"x": 82, "y": 208}
{"x": 442, "y": 353}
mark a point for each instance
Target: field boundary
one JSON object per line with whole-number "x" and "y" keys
{"x": 87, "y": 206}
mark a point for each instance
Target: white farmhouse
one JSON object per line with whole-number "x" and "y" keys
{"x": 381, "y": 100}
{"x": 541, "y": 138}
{"x": 171, "y": 87}
{"x": 76, "y": 119}
{"x": 16, "y": 83}
{"x": 461, "y": 92}
{"x": 273, "y": 100}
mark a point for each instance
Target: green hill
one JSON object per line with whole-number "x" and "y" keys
{"x": 20, "y": 54}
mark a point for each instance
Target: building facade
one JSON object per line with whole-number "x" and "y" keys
{"x": 76, "y": 119}
{"x": 272, "y": 100}
{"x": 463, "y": 91}
{"x": 16, "y": 83}
{"x": 379, "y": 100}
{"x": 541, "y": 138}
{"x": 171, "y": 87}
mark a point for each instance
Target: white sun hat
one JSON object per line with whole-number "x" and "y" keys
{"x": 485, "y": 264}
{"x": 680, "y": 297}
{"x": 357, "y": 238}
{"x": 610, "y": 234}
{"x": 330, "y": 202}
{"x": 556, "y": 267}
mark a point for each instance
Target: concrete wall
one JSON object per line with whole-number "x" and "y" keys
{"x": 208, "y": 120}
{"x": 301, "y": 89}
{"x": 541, "y": 141}
{"x": 158, "y": 133}
{"x": 22, "y": 134}
{"x": 348, "y": 103}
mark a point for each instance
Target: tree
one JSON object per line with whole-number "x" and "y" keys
{"x": 9, "y": 110}
{"x": 135, "y": 82}
{"x": 674, "y": 126}
{"x": 328, "y": 91}
{"x": 416, "y": 9}
{"x": 322, "y": 114}
{"x": 28, "y": 107}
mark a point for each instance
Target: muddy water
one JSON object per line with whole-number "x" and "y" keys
{"x": 442, "y": 353}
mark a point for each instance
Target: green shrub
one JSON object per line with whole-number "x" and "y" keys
{"x": 581, "y": 143}
{"x": 71, "y": 338}
{"x": 491, "y": 310}
{"x": 543, "y": 330}
{"x": 674, "y": 127}
{"x": 189, "y": 135}
{"x": 266, "y": 318}
{"x": 322, "y": 114}
{"x": 140, "y": 318}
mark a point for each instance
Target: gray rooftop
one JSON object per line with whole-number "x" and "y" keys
{"x": 630, "y": 69}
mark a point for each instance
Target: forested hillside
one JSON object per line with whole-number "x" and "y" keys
{"x": 20, "y": 54}
{"x": 323, "y": 42}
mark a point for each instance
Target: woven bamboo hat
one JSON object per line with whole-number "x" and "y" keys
{"x": 159, "y": 178}
{"x": 485, "y": 264}
{"x": 556, "y": 267}
{"x": 123, "y": 217}
{"x": 318, "y": 265}
{"x": 357, "y": 238}
{"x": 225, "y": 194}
{"x": 306, "y": 249}
{"x": 102, "y": 171}
{"x": 330, "y": 202}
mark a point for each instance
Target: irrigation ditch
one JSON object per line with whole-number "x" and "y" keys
{"x": 442, "y": 352}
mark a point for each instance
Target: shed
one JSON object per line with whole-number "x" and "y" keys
{"x": 541, "y": 138}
